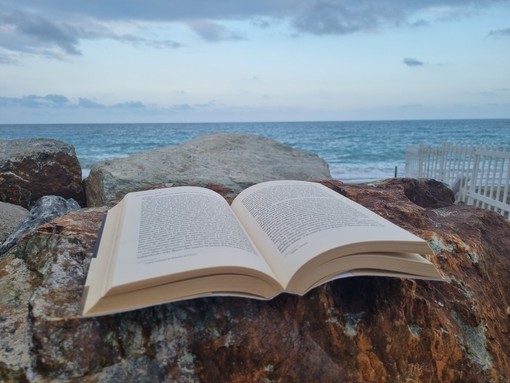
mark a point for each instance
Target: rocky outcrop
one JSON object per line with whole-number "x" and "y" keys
{"x": 355, "y": 330}
{"x": 232, "y": 160}
{"x": 44, "y": 210}
{"x": 423, "y": 192}
{"x": 10, "y": 217}
{"x": 33, "y": 168}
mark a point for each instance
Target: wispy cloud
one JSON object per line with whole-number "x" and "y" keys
{"x": 35, "y": 33}
{"x": 61, "y": 102}
{"x": 33, "y": 101}
{"x": 53, "y": 101}
{"x": 500, "y": 32}
{"x": 84, "y": 102}
{"x": 37, "y": 29}
{"x": 330, "y": 17}
{"x": 136, "y": 40}
{"x": 211, "y": 31}
{"x": 412, "y": 62}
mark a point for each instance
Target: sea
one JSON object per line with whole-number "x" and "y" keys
{"x": 356, "y": 151}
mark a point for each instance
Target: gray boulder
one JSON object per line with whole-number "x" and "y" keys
{"x": 10, "y": 217}
{"x": 32, "y": 168}
{"x": 232, "y": 161}
{"x": 45, "y": 209}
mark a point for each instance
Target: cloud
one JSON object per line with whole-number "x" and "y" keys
{"x": 33, "y": 101}
{"x": 330, "y": 17}
{"x": 173, "y": 10}
{"x": 35, "y": 33}
{"x": 261, "y": 23}
{"x": 211, "y": 31}
{"x": 412, "y": 62}
{"x": 57, "y": 98}
{"x": 135, "y": 40}
{"x": 89, "y": 104}
{"x": 130, "y": 105}
{"x": 56, "y": 28}
{"x": 500, "y": 33}
{"x": 62, "y": 103}
{"x": 36, "y": 29}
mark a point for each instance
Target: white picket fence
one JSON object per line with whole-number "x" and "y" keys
{"x": 479, "y": 176}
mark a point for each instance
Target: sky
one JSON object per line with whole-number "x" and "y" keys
{"x": 133, "y": 61}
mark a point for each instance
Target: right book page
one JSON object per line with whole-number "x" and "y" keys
{"x": 297, "y": 223}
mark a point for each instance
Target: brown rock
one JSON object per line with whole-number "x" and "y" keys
{"x": 356, "y": 330}
{"x": 33, "y": 168}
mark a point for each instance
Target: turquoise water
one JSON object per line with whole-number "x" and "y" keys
{"x": 355, "y": 151}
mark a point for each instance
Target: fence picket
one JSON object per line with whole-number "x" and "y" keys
{"x": 479, "y": 176}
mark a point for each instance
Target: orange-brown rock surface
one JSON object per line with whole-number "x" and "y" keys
{"x": 33, "y": 168}
{"x": 352, "y": 330}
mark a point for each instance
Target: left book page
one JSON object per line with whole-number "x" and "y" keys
{"x": 168, "y": 236}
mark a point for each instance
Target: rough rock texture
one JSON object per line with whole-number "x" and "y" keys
{"x": 33, "y": 168}
{"x": 232, "y": 160}
{"x": 44, "y": 210}
{"x": 10, "y": 217}
{"x": 352, "y": 330}
{"x": 423, "y": 192}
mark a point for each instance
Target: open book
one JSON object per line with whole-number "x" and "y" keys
{"x": 186, "y": 242}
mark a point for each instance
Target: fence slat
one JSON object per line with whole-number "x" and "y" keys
{"x": 479, "y": 176}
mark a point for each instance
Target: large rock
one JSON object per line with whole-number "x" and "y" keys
{"x": 352, "y": 330}
{"x": 10, "y": 217}
{"x": 33, "y": 168}
{"x": 234, "y": 161}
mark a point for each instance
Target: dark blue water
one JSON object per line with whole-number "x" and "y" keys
{"x": 356, "y": 151}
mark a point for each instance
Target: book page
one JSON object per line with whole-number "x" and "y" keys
{"x": 179, "y": 231}
{"x": 293, "y": 221}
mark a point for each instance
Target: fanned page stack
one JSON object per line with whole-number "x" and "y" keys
{"x": 186, "y": 242}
